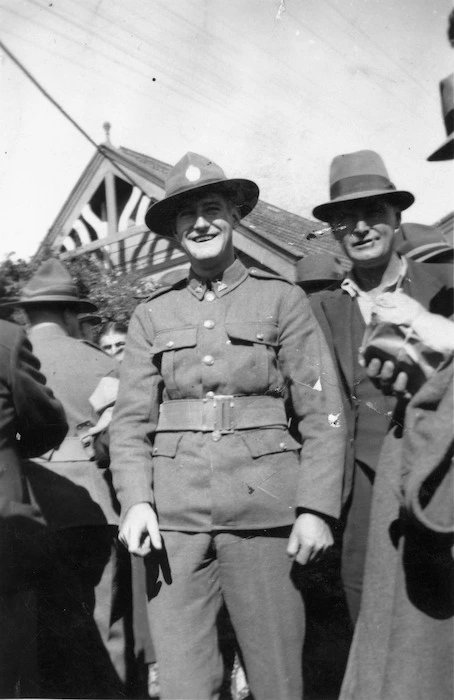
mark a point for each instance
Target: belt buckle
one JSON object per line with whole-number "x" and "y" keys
{"x": 223, "y": 414}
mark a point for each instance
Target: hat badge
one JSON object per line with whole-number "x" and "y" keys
{"x": 193, "y": 173}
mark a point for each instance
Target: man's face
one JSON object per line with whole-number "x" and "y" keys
{"x": 113, "y": 344}
{"x": 204, "y": 230}
{"x": 365, "y": 229}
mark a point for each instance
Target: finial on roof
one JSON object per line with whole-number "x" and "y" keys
{"x": 107, "y": 126}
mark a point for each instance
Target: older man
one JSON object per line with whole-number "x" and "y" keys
{"x": 84, "y": 597}
{"x": 209, "y": 477}
{"x": 365, "y": 213}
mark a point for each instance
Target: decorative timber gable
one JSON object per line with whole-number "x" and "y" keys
{"x": 104, "y": 215}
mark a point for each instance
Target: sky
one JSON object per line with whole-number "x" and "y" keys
{"x": 271, "y": 90}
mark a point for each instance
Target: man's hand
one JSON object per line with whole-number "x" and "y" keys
{"x": 384, "y": 376}
{"x": 140, "y": 530}
{"x": 310, "y": 536}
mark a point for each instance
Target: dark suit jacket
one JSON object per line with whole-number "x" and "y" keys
{"x": 429, "y": 284}
{"x": 70, "y": 489}
{"x": 27, "y": 409}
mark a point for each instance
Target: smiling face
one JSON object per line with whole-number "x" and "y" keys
{"x": 204, "y": 230}
{"x": 365, "y": 229}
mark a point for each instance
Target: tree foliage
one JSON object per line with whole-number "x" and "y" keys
{"x": 115, "y": 294}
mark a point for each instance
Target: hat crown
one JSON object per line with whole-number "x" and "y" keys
{"x": 319, "y": 266}
{"x": 360, "y": 171}
{"x": 192, "y": 171}
{"x": 51, "y": 279}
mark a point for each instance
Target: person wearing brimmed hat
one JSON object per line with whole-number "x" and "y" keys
{"x": 208, "y": 476}
{"x": 364, "y": 212}
{"x": 87, "y": 325}
{"x": 82, "y": 646}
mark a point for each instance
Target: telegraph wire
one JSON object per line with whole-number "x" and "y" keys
{"x": 49, "y": 97}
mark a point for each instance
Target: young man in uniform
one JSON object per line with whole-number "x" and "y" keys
{"x": 209, "y": 478}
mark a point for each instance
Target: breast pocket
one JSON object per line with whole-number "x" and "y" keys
{"x": 254, "y": 346}
{"x": 169, "y": 349}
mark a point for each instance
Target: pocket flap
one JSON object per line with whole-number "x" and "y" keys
{"x": 269, "y": 441}
{"x": 253, "y": 332}
{"x": 166, "y": 444}
{"x": 174, "y": 339}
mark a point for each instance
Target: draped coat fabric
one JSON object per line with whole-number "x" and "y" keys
{"x": 403, "y": 646}
{"x": 75, "y": 492}
{"x": 253, "y": 334}
{"x": 29, "y": 411}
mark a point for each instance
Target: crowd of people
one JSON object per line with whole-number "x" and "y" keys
{"x": 165, "y": 487}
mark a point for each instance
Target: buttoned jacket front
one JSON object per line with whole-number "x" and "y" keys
{"x": 251, "y": 335}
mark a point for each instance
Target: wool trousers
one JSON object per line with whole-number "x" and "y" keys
{"x": 251, "y": 573}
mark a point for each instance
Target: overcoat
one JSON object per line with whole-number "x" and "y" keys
{"x": 28, "y": 410}
{"x": 430, "y": 284}
{"x": 253, "y": 339}
{"x": 71, "y": 489}
{"x": 404, "y": 639}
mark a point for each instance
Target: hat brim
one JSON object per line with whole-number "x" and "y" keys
{"x": 430, "y": 252}
{"x": 89, "y": 318}
{"x": 445, "y": 152}
{"x": 160, "y": 216}
{"x": 402, "y": 198}
{"x": 81, "y": 305}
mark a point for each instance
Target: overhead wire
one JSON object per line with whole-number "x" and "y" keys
{"x": 379, "y": 48}
{"x": 121, "y": 48}
{"x": 77, "y": 126}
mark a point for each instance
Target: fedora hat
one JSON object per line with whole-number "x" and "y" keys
{"x": 360, "y": 175}
{"x": 195, "y": 173}
{"x": 446, "y": 150}
{"x": 422, "y": 243}
{"x": 52, "y": 284}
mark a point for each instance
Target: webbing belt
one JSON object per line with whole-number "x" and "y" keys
{"x": 221, "y": 413}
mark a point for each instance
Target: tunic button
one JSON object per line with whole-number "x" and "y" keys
{"x": 210, "y": 296}
{"x": 170, "y": 344}
{"x": 208, "y": 360}
{"x": 282, "y": 445}
{"x": 210, "y": 394}
{"x": 216, "y": 435}
{"x": 208, "y": 324}
{"x": 260, "y": 336}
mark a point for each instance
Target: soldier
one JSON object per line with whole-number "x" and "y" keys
{"x": 209, "y": 478}
{"x": 27, "y": 409}
{"x": 84, "y": 599}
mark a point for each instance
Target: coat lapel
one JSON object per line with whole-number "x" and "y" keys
{"x": 338, "y": 311}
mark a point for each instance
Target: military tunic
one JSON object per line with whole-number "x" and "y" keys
{"x": 253, "y": 335}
